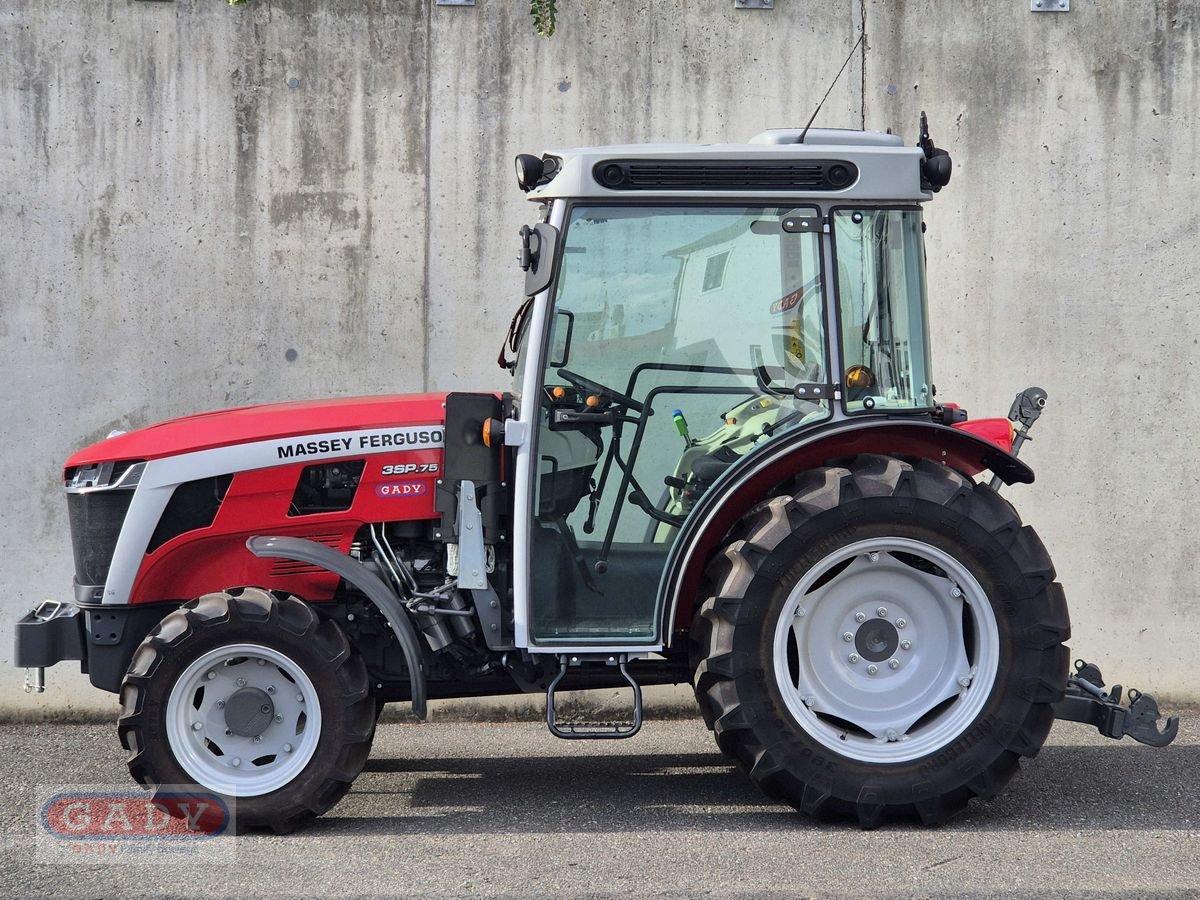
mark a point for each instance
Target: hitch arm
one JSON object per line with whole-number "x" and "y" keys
{"x": 1086, "y": 702}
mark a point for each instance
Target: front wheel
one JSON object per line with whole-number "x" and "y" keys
{"x": 883, "y": 642}
{"x": 254, "y": 698}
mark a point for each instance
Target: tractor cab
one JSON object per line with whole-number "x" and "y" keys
{"x": 686, "y": 307}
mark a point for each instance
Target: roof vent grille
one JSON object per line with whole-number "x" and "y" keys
{"x": 725, "y": 175}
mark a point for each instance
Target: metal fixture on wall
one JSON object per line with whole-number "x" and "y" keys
{"x": 1049, "y": 5}
{"x": 753, "y": 4}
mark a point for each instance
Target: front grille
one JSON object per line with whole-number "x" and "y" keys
{"x": 725, "y": 174}
{"x": 96, "y": 518}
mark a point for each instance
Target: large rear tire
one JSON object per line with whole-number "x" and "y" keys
{"x": 884, "y": 642}
{"x": 252, "y": 697}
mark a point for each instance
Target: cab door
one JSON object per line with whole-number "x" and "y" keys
{"x": 669, "y": 343}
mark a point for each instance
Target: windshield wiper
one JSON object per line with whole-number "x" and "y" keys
{"x": 513, "y": 338}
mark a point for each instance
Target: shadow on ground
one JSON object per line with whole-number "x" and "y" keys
{"x": 1066, "y": 788}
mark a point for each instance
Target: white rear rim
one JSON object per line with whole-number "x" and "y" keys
{"x": 886, "y": 650}
{"x": 243, "y": 720}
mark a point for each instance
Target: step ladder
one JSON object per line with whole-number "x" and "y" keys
{"x": 569, "y": 729}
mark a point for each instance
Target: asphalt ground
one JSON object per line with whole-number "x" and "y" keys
{"x": 466, "y": 809}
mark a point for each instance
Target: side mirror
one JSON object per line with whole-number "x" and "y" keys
{"x": 539, "y": 257}
{"x": 560, "y": 352}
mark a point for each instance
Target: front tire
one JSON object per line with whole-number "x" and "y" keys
{"x": 886, "y": 641}
{"x": 252, "y": 697}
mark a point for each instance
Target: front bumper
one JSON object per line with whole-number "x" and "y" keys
{"x": 51, "y": 633}
{"x": 103, "y": 639}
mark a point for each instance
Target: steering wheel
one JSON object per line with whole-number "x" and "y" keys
{"x": 594, "y": 387}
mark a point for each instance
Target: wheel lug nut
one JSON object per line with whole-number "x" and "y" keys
{"x": 220, "y": 704}
{"x": 810, "y": 701}
{"x": 906, "y": 645}
{"x": 241, "y": 682}
{"x": 847, "y": 636}
{"x": 258, "y": 739}
{"x": 262, "y": 662}
{"x": 964, "y": 681}
{"x": 891, "y": 735}
{"x": 236, "y": 761}
{"x": 211, "y": 675}
{"x": 956, "y": 592}
{"x": 881, "y": 612}
{"x": 900, "y": 623}
{"x": 873, "y": 556}
{"x": 196, "y": 726}
{"x": 271, "y": 689}
{"x": 228, "y": 733}
{"x": 872, "y": 669}
{"x": 853, "y": 657}
{"x": 893, "y": 663}
{"x": 299, "y": 698}
{"x": 860, "y": 617}
{"x": 801, "y": 612}
{"x": 287, "y": 748}
{"x": 278, "y": 719}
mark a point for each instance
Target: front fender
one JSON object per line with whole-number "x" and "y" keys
{"x": 752, "y": 479}
{"x": 366, "y": 581}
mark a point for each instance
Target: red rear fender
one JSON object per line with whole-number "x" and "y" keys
{"x": 758, "y": 475}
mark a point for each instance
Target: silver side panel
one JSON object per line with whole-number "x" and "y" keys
{"x": 162, "y": 476}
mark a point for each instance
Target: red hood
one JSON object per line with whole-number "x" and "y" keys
{"x": 260, "y": 423}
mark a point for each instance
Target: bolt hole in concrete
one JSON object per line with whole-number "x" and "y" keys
{"x": 293, "y": 82}
{"x": 291, "y": 355}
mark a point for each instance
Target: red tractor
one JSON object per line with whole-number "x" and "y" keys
{"x": 721, "y": 460}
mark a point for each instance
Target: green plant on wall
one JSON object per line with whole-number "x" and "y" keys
{"x": 542, "y": 11}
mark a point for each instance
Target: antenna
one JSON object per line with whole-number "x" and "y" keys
{"x": 804, "y": 133}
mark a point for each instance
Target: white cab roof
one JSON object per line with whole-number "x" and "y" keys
{"x": 886, "y": 169}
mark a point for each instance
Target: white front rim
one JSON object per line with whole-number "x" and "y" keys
{"x": 212, "y": 735}
{"x": 886, "y": 650}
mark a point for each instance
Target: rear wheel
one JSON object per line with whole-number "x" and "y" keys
{"x": 253, "y": 697}
{"x": 885, "y": 641}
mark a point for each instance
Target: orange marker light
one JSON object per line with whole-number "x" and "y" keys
{"x": 592, "y": 401}
{"x": 558, "y": 393}
{"x": 487, "y": 432}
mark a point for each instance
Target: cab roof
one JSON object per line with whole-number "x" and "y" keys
{"x": 832, "y": 165}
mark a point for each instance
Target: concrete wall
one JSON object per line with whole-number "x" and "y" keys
{"x": 203, "y": 206}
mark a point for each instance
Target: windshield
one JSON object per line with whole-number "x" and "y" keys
{"x": 881, "y": 302}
